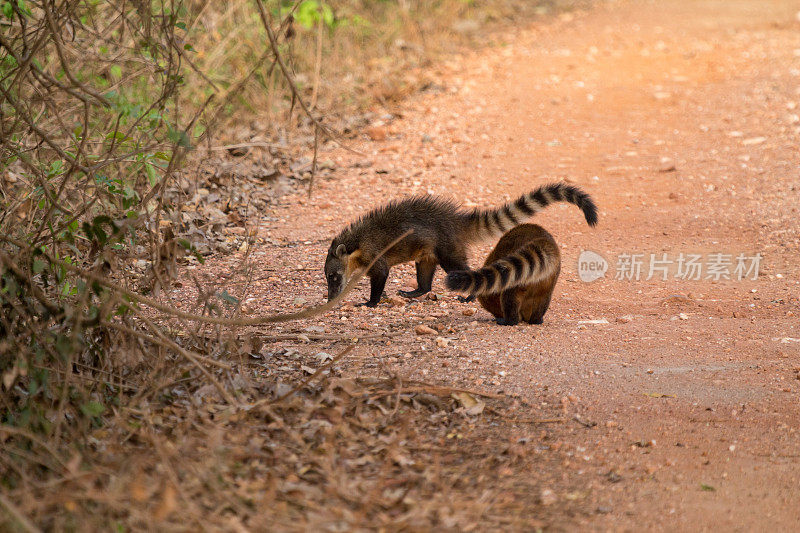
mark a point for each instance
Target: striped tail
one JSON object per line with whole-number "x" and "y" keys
{"x": 527, "y": 265}
{"x": 487, "y": 223}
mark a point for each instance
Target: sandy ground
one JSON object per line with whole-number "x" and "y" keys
{"x": 681, "y": 119}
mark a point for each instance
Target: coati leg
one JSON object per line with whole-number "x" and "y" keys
{"x": 378, "y": 275}
{"x": 537, "y": 316}
{"x": 452, "y": 260}
{"x": 510, "y": 303}
{"x": 425, "y": 271}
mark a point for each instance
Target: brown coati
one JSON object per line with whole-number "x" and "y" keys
{"x": 441, "y": 234}
{"x": 518, "y": 277}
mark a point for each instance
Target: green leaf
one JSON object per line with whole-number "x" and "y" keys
{"x": 93, "y": 409}
{"x": 116, "y": 72}
{"x": 707, "y": 488}
{"x": 179, "y": 137}
{"x": 152, "y": 176}
{"x": 39, "y": 265}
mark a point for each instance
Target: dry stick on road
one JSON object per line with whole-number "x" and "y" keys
{"x": 255, "y": 321}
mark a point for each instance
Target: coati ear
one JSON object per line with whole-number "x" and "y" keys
{"x": 341, "y": 251}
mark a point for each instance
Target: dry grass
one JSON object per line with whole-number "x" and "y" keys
{"x": 372, "y": 52}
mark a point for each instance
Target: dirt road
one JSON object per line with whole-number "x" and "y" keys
{"x": 681, "y": 119}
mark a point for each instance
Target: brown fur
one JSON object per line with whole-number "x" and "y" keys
{"x": 528, "y": 301}
{"x": 440, "y": 235}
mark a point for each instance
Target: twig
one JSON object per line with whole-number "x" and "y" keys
{"x": 254, "y": 144}
{"x": 63, "y": 60}
{"x": 89, "y": 378}
{"x": 148, "y": 338}
{"x": 318, "y": 62}
{"x": 323, "y": 337}
{"x": 584, "y": 423}
{"x": 33, "y": 438}
{"x": 266, "y": 19}
{"x": 314, "y": 162}
{"x": 255, "y": 321}
{"x": 188, "y": 355}
{"x": 438, "y": 390}
{"x": 21, "y": 520}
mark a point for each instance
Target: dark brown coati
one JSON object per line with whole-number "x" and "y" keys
{"x": 518, "y": 277}
{"x": 441, "y": 234}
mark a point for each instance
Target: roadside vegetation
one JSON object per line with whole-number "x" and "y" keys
{"x": 114, "y": 403}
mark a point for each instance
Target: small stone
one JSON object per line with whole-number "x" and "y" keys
{"x": 396, "y": 301}
{"x": 667, "y": 165}
{"x": 376, "y": 133}
{"x": 624, "y": 319}
{"x": 547, "y": 497}
{"x": 441, "y": 342}
{"x": 299, "y": 301}
{"x": 422, "y": 329}
{"x": 469, "y": 311}
{"x": 753, "y": 140}
{"x": 683, "y": 316}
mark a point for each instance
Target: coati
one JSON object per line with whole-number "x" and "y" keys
{"x": 441, "y": 233}
{"x": 518, "y": 277}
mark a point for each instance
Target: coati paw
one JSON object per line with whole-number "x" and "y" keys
{"x": 504, "y": 322}
{"x": 411, "y": 294}
{"x": 367, "y": 304}
{"x": 537, "y": 321}
{"x": 466, "y": 299}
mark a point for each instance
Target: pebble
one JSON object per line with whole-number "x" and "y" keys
{"x": 396, "y": 301}
{"x": 547, "y": 497}
{"x": 376, "y": 133}
{"x": 667, "y": 165}
{"x": 422, "y": 329}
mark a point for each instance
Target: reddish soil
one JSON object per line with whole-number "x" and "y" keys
{"x": 681, "y": 120}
